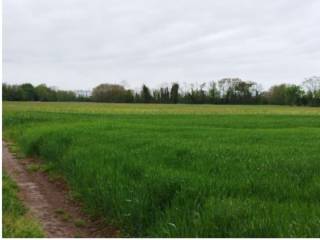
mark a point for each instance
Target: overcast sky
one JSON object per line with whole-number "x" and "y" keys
{"x": 77, "y": 44}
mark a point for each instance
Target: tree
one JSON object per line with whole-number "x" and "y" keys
{"x": 277, "y": 94}
{"x": 65, "y": 96}
{"x": 224, "y": 85}
{"x": 11, "y": 92}
{"x": 156, "y": 96}
{"x": 28, "y": 92}
{"x": 196, "y": 95}
{"x": 213, "y": 92}
{"x": 293, "y": 95}
{"x": 312, "y": 86}
{"x": 227, "y": 89}
{"x": 45, "y": 93}
{"x": 129, "y": 97}
{"x": 164, "y": 95}
{"x": 237, "y": 91}
{"x": 174, "y": 93}
{"x": 285, "y": 94}
{"x": 146, "y": 96}
{"x": 111, "y": 93}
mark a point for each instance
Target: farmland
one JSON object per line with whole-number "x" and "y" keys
{"x": 182, "y": 170}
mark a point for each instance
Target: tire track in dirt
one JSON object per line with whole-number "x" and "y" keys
{"x": 45, "y": 199}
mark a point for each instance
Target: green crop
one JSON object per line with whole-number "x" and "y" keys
{"x": 182, "y": 170}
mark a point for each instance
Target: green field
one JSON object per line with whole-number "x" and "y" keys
{"x": 182, "y": 170}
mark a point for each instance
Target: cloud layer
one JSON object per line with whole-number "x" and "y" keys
{"x": 77, "y": 44}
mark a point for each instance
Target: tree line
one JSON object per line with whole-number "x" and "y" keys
{"x": 224, "y": 91}
{"x": 27, "y": 92}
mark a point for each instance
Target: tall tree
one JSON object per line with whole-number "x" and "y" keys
{"x": 164, "y": 95}
{"x": 174, "y": 93}
{"x": 145, "y": 94}
{"x": 213, "y": 92}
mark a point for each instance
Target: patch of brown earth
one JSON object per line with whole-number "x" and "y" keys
{"x": 50, "y": 203}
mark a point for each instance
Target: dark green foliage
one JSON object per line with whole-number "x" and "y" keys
{"x": 65, "y": 96}
{"x": 285, "y": 94}
{"x": 111, "y": 93}
{"x": 174, "y": 94}
{"x": 146, "y": 96}
{"x": 26, "y": 92}
{"x": 45, "y": 94}
{"x": 225, "y": 91}
{"x": 11, "y": 92}
{"x": 162, "y": 95}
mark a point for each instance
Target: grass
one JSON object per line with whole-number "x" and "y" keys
{"x": 65, "y": 216}
{"x": 182, "y": 170}
{"x": 79, "y": 223}
{"x": 16, "y": 222}
{"x": 16, "y": 151}
{"x": 33, "y": 167}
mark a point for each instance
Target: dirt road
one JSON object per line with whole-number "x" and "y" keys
{"x": 49, "y": 202}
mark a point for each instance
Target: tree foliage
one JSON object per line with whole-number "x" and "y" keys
{"x": 27, "y": 92}
{"x": 146, "y": 96}
{"x": 174, "y": 93}
{"x": 111, "y": 93}
{"x": 224, "y": 91}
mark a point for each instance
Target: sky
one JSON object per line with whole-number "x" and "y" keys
{"x": 78, "y": 44}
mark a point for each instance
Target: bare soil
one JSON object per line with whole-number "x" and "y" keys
{"x": 50, "y": 202}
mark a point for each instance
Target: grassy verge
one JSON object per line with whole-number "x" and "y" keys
{"x": 16, "y": 222}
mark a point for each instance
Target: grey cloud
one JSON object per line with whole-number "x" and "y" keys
{"x": 80, "y": 43}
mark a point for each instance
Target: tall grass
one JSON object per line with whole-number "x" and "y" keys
{"x": 180, "y": 174}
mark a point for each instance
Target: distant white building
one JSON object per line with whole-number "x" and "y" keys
{"x": 83, "y": 93}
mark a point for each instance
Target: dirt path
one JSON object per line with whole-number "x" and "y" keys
{"x": 50, "y": 204}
